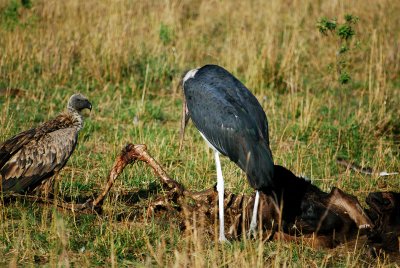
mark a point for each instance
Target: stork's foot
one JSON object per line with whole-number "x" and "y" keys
{"x": 253, "y": 228}
{"x": 224, "y": 240}
{"x": 252, "y": 233}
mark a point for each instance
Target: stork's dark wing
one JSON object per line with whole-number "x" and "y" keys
{"x": 219, "y": 83}
{"x": 38, "y": 159}
{"x": 231, "y": 119}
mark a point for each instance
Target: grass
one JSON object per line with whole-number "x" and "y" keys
{"x": 128, "y": 57}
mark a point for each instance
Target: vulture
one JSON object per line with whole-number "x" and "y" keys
{"x": 32, "y": 157}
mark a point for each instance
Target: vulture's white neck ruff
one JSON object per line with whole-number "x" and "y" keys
{"x": 77, "y": 119}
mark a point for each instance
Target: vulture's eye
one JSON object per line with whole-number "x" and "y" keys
{"x": 386, "y": 202}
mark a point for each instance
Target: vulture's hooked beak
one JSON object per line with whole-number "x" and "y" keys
{"x": 88, "y": 105}
{"x": 184, "y": 121}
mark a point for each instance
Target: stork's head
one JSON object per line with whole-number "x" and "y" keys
{"x": 78, "y": 102}
{"x": 188, "y": 75}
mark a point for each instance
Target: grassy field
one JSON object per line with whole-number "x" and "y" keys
{"x": 127, "y": 57}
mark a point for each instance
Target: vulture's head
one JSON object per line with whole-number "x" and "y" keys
{"x": 79, "y": 102}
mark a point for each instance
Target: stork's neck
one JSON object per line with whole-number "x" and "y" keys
{"x": 77, "y": 119}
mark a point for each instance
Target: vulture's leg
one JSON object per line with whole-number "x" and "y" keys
{"x": 253, "y": 223}
{"x": 220, "y": 189}
{"x": 55, "y": 186}
{"x": 46, "y": 188}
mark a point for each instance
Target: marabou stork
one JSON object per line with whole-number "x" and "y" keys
{"x": 233, "y": 123}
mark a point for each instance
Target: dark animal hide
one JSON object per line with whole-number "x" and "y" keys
{"x": 385, "y": 212}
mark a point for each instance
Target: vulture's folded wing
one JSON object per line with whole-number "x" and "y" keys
{"x": 13, "y": 145}
{"x": 38, "y": 160}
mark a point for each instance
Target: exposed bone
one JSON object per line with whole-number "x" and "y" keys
{"x": 350, "y": 205}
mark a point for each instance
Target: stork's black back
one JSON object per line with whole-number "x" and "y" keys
{"x": 232, "y": 120}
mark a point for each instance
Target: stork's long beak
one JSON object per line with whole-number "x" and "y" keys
{"x": 184, "y": 120}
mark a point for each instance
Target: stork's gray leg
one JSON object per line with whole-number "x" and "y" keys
{"x": 220, "y": 189}
{"x": 253, "y": 223}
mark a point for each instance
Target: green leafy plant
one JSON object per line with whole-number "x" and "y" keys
{"x": 26, "y": 3}
{"x": 10, "y": 15}
{"x": 165, "y": 34}
{"x": 344, "y": 32}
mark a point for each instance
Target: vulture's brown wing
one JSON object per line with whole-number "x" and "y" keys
{"x": 38, "y": 160}
{"x": 14, "y": 144}
{"x": 11, "y": 146}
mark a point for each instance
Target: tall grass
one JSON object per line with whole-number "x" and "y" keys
{"x": 128, "y": 57}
